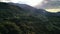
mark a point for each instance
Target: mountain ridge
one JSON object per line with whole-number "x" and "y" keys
{"x": 15, "y": 20}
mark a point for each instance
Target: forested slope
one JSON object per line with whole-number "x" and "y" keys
{"x": 14, "y": 20}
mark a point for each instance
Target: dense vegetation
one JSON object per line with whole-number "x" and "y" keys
{"x": 14, "y": 20}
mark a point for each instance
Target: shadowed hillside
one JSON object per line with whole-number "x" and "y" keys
{"x": 15, "y": 20}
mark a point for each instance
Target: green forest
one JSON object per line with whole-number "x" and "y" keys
{"x": 15, "y": 20}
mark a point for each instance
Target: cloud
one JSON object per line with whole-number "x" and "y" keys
{"x": 29, "y": 2}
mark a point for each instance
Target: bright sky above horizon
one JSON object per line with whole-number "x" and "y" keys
{"x": 29, "y": 2}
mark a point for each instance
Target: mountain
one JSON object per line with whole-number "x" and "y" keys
{"x": 50, "y": 14}
{"x": 16, "y": 20}
{"x": 30, "y": 8}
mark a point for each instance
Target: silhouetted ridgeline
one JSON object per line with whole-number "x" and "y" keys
{"x": 15, "y": 20}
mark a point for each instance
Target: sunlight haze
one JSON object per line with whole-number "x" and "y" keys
{"x": 29, "y": 2}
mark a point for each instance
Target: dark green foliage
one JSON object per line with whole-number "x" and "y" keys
{"x": 14, "y": 20}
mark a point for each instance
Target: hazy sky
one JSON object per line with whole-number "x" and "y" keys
{"x": 29, "y": 2}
